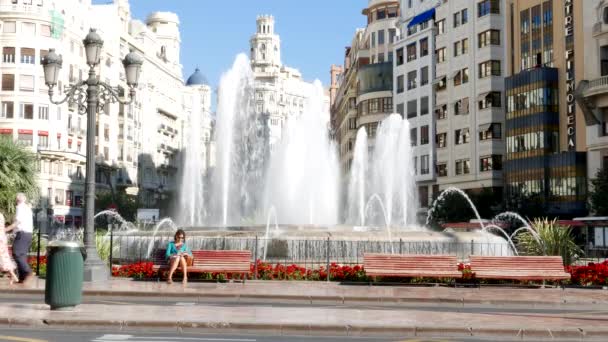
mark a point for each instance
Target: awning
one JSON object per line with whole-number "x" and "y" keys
{"x": 25, "y": 131}
{"x": 482, "y": 96}
{"x": 6, "y": 131}
{"x": 485, "y": 127}
{"x": 454, "y": 74}
{"x": 440, "y": 106}
{"x": 43, "y": 133}
{"x": 422, "y": 17}
{"x": 58, "y": 135}
{"x": 439, "y": 80}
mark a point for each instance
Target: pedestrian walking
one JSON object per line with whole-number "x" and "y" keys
{"x": 7, "y": 264}
{"x": 23, "y": 226}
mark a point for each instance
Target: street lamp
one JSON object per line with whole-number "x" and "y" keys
{"x": 91, "y": 96}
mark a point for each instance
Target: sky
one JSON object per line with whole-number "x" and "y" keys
{"x": 313, "y": 32}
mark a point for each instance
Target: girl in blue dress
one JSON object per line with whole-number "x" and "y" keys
{"x": 177, "y": 254}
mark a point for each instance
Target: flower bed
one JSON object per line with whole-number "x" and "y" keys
{"x": 33, "y": 262}
{"x": 593, "y": 274}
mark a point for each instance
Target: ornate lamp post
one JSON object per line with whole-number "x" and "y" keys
{"x": 90, "y": 96}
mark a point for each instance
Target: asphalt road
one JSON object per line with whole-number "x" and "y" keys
{"x": 50, "y": 335}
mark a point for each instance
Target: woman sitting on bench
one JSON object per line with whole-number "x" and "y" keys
{"x": 178, "y": 254}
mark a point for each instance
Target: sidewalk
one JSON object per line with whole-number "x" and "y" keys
{"x": 315, "y": 291}
{"x": 366, "y": 320}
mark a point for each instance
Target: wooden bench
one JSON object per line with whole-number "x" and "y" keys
{"x": 210, "y": 261}
{"x": 411, "y": 265}
{"x": 519, "y": 267}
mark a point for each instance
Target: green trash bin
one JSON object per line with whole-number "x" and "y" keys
{"x": 64, "y": 275}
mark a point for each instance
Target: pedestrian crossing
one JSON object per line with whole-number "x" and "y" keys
{"x": 134, "y": 338}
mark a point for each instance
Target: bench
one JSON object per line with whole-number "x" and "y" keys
{"x": 210, "y": 261}
{"x": 519, "y": 267}
{"x": 411, "y": 265}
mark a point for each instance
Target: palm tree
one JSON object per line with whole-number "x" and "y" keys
{"x": 554, "y": 239}
{"x": 17, "y": 174}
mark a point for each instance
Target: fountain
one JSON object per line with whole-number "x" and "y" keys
{"x": 356, "y": 187}
{"x": 271, "y": 213}
{"x": 450, "y": 191}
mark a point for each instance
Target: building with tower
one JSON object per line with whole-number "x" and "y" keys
{"x": 280, "y": 91}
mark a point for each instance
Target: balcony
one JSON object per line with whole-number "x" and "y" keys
{"x": 599, "y": 29}
{"x": 591, "y": 97}
{"x": 375, "y": 77}
{"x": 23, "y": 9}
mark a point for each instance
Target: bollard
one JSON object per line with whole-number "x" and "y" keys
{"x": 472, "y": 248}
{"x": 38, "y": 253}
{"x": 400, "y": 246}
{"x": 111, "y": 245}
{"x": 255, "y": 260}
{"x": 328, "y": 259}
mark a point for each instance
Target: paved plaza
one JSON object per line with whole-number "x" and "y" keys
{"x": 319, "y": 309}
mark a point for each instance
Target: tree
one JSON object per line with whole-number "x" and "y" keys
{"x": 126, "y": 205}
{"x": 17, "y": 174}
{"x": 598, "y": 194}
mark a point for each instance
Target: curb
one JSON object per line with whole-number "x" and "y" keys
{"x": 310, "y": 299}
{"x": 314, "y": 330}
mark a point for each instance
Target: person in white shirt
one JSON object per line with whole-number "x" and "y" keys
{"x": 23, "y": 226}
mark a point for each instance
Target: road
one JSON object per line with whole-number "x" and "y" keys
{"x": 49, "y": 335}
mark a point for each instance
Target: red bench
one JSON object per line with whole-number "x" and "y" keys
{"x": 519, "y": 267}
{"x": 411, "y": 265}
{"x": 210, "y": 261}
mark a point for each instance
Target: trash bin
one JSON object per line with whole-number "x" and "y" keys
{"x": 64, "y": 275}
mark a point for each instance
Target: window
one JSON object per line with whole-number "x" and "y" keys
{"x": 461, "y": 136}
{"x": 45, "y": 30}
{"x": 380, "y": 14}
{"x": 461, "y": 107}
{"x": 28, "y": 29}
{"x": 401, "y": 109}
{"x": 373, "y": 39}
{"x": 26, "y": 111}
{"x": 392, "y": 33}
{"x": 28, "y": 56}
{"x": 381, "y": 37}
{"x": 424, "y": 135}
{"x": 8, "y": 82}
{"x": 10, "y": 27}
{"x": 463, "y": 167}
{"x": 441, "y": 83}
{"x": 424, "y": 47}
{"x": 25, "y": 138}
{"x": 400, "y": 84}
{"x": 411, "y": 79}
{"x": 461, "y": 47}
{"x": 461, "y": 77}
{"x": 441, "y": 112}
{"x": 7, "y": 110}
{"x": 489, "y": 68}
{"x": 424, "y": 76}
{"x": 106, "y": 153}
{"x": 414, "y": 136}
{"x": 106, "y": 132}
{"x": 26, "y": 83}
{"x": 411, "y": 52}
{"x": 43, "y": 54}
{"x": 352, "y": 123}
{"x": 440, "y": 27}
{"x": 489, "y": 37}
{"x": 399, "y": 56}
{"x": 441, "y": 139}
{"x": 488, "y": 7}
{"x": 424, "y": 164}
{"x": 442, "y": 169}
{"x": 390, "y": 56}
{"x": 489, "y": 100}
{"x": 412, "y": 109}
{"x": 424, "y": 105}
{"x": 490, "y": 131}
{"x": 8, "y": 54}
{"x": 491, "y": 163}
{"x": 461, "y": 17}
{"x": 441, "y": 54}
{"x": 381, "y": 57}
{"x": 43, "y": 141}
{"x": 423, "y": 195}
{"x": 43, "y": 112}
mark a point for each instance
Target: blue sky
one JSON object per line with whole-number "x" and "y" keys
{"x": 313, "y": 32}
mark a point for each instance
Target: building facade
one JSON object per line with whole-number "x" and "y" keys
{"x": 136, "y": 144}
{"x": 365, "y": 92}
{"x": 592, "y": 90}
{"x": 414, "y": 72}
{"x": 545, "y": 129}
{"x": 280, "y": 91}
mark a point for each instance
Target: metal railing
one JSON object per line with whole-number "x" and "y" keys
{"x": 598, "y": 82}
{"x": 128, "y": 249}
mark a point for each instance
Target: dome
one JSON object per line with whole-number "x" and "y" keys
{"x": 197, "y": 78}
